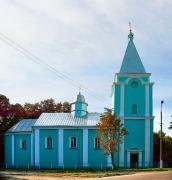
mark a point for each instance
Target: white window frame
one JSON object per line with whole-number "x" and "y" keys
{"x": 70, "y": 142}
{"x": 21, "y": 144}
{"x": 46, "y": 142}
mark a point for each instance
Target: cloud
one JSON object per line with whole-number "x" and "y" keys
{"x": 85, "y": 40}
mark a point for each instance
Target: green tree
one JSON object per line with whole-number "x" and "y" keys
{"x": 9, "y": 115}
{"x": 110, "y": 132}
{"x": 166, "y": 148}
{"x": 66, "y": 107}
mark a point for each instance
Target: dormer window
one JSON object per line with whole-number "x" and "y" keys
{"x": 134, "y": 109}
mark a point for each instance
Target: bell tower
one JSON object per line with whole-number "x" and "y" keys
{"x": 133, "y": 103}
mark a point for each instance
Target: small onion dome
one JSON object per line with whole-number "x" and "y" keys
{"x": 79, "y": 107}
{"x": 80, "y": 98}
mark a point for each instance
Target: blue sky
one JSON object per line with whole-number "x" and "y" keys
{"x": 86, "y": 40}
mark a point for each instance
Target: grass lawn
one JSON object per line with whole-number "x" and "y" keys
{"x": 79, "y": 173}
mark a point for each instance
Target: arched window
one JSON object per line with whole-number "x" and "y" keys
{"x": 23, "y": 144}
{"x": 73, "y": 142}
{"x": 134, "y": 83}
{"x": 134, "y": 109}
{"x": 48, "y": 142}
{"x": 97, "y": 144}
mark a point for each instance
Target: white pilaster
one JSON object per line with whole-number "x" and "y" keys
{"x": 85, "y": 147}
{"x": 121, "y": 155}
{"x": 31, "y": 150}
{"x": 140, "y": 159}
{"x": 122, "y": 100}
{"x": 12, "y": 148}
{"x": 147, "y": 128}
{"x": 109, "y": 161}
{"x": 60, "y": 148}
{"x": 147, "y": 100}
{"x": 128, "y": 159}
{"x": 37, "y": 156}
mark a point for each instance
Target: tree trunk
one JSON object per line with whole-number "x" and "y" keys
{"x": 112, "y": 160}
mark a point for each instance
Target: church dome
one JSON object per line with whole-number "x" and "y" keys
{"x": 79, "y": 107}
{"x": 80, "y": 98}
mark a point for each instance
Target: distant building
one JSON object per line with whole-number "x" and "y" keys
{"x": 69, "y": 140}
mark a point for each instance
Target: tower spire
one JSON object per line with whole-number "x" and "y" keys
{"x": 131, "y": 35}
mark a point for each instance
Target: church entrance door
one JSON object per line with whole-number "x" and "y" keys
{"x": 134, "y": 160}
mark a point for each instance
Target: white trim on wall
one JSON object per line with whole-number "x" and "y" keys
{"x": 12, "y": 149}
{"x": 85, "y": 147}
{"x": 31, "y": 150}
{"x": 128, "y": 159}
{"x": 109, "y": 162}
{"x": 121, "y": 155}
{"x": 147, "y": 100}
{"x": 60, "y": 147}
{"x": 140, "y": 159}
{"x": 37, "y": 155}
{"x": 122, "y": 100}
{"x": 147, "y": 128}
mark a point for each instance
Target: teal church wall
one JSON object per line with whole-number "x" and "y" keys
{"x": 116, "y": 107}
{"x": 73, "y": 158}
{"x": 96, "y": 157}
{"x": 136, "y": 135}
{"x": 49, "y": 157}
{"x": 22, "y": 156}
{"x": 8, "y": 150}
{"x": 134, "y": 96}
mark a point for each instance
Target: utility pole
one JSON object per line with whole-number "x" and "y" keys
{"x": 161, "y": 161}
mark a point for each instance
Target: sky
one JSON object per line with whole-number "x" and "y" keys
{"x": 84, "y": 40}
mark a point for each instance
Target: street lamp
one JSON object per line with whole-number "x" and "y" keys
{"x": 161, "y": 161}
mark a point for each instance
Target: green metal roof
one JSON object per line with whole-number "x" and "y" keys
{"x": 131, "y": 61}
{"x": 67, "y": 120}
{"x": 24, "y": 125}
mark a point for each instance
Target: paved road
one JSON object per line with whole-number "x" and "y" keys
{"x": 167, "y": 175}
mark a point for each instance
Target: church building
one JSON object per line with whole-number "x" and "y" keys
{"x": 69, "y": 140}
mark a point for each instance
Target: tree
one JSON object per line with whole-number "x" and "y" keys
{"x": 32, "y": 110}
{"x": 9, "y": 115}
{"x": 166, "y": 150}
{"x": 4, "y": 106}
{"x": 110, "y": 132}
{"x": 66, "y": 107}
{"x": 48, "y": 105}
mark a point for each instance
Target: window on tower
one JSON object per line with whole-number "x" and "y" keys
{"x": 134, "y": 109}
{"x": 134, "y": 84}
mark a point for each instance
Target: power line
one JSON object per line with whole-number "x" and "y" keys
{"x": 45, "y": 65}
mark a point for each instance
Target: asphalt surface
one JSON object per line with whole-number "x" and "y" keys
{"x": 165, "y": 175}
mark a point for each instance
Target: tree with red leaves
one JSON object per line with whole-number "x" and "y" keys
{"x": 110, "y": 132}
